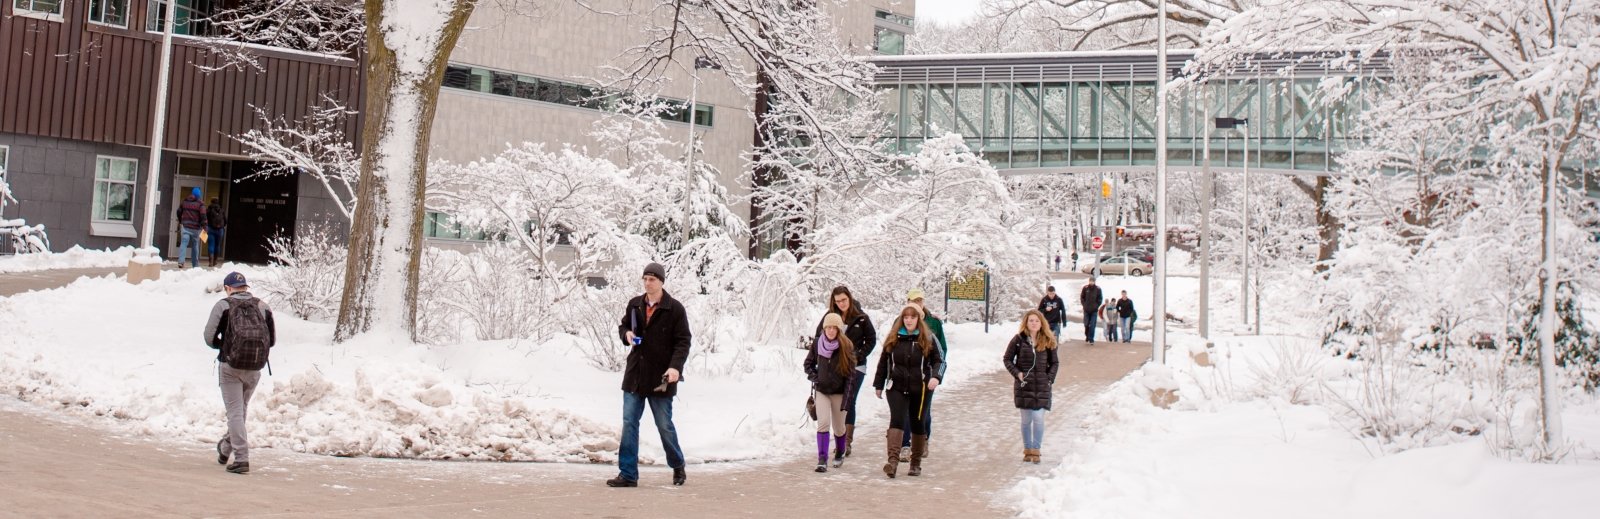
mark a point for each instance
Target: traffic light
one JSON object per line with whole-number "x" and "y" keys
{"x": 1105, "y": 188}
{"x": 1119, "y": 231}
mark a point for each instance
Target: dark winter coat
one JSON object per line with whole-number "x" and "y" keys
{"x": 1038, "y": 369}
{"x": 1091, "y": 298}
{"x": 192, "y": 213}
{"x": 1125, "y": 307}
{"x": 860, "y": 333}
{"x": 216, "y": 333}
{"x": 665, "y": 344}
{"x": 1053, "y": 308}
{"x": 824, "y": 372}
{"x": 215, "y": 217}
{"x": 903, "y": 366}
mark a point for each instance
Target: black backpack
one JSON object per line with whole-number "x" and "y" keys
{"x": 215, "y": 218}
{"x": 246, "y": 346}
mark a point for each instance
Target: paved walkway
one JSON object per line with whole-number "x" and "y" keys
{"x": 59, "y": 465}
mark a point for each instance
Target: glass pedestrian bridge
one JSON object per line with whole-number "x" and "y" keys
{"x": 1096, "y": 111}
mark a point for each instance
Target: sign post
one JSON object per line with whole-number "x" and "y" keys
{"x": 1097, "y": 243}
{"x": 973, "y": 285}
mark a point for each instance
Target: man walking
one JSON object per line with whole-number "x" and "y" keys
{"x": 1091, "y": 298}
{"x": 242, "y": 331}
{"x": 1125, "y": 309}
{"x": 1054, "y": 310}
{"x": 656, "y": 327}
{"x": 191, "y": 219}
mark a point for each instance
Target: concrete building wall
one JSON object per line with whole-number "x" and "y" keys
{"x": 53, "y": 182}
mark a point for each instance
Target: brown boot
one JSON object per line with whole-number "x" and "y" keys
{"x": 919, "y": 450}
{"x": 893, "y": 465}
{"x": 849, "y": 438}
{"x": 1027, "y": 455}
{"x": 1036, "y": 456}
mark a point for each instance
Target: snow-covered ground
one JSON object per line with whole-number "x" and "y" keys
{"x": 1236, "y": 447}
{"x": 76, "y": 257}
{"x": 134, "y": 353}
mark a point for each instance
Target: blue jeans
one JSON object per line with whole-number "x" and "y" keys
{"x": 1127, "y": 329}
{"x": 1090, "y": 318}
{"x": 189, "y": 240}
{"x": 214, "y": 240}
{"x": 661, "y": 412}
{"x": 1055, "y": 328}
{"x": 1111, "y": 330}
{"x": 1032, "y": 428}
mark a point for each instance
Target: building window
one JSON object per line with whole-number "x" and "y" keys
{"x": 109, "y": 12}
{"x": 545, "y": 90}
{"x": 193, "y": 17}
{"x": 114, "y": 179}
{"x": 38, "y": 6}
{"x": 440, "y": 225}
{"x": 889, "y": 32}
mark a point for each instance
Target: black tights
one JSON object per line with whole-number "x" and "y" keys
{"x": 910, "y": 407}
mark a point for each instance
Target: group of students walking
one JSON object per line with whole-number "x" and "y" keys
{"x": 1118, "y": 314}
{"x": 655, "y": 327}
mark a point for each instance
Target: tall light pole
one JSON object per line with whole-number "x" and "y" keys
{"x": 157, "y": 134}
{"x": 1158, "y": 336}
{"x": 1205, "y": 218}
{"x": 700, "y": 62}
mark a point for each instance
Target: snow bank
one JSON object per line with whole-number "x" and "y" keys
{"x": 143, "y": 365}
{"x": 1236, "y": 448}
{"x": 74, "y": 258}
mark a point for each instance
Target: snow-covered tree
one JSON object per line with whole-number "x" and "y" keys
{"x": 408, "y": 45}
{"x": 314, "y": 146}
{"x": 1536, "y": 70}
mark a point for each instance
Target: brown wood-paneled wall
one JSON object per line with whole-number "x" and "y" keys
{"x": 72, "y": 79}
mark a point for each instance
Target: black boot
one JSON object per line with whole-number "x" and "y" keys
{"x": 679, "y": 476}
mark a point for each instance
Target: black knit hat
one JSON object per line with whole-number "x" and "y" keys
{"x": 655, "y": 269}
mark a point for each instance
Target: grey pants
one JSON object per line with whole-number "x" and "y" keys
{"x": 237, "y": 386}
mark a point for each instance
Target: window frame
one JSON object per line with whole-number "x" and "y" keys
{"x": 106, "y": 226}
{"x": 155, "y": 25}
{"x": 5, "y": 171}
{"x": 127, "y": 12}
{"x": 28, "y": 12}
{"x": 463, "y": 77}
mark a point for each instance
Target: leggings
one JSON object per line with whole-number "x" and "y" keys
{"x": 905, "y": 409}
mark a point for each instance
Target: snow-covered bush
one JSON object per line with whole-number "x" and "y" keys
{"x": 310, "y": 273}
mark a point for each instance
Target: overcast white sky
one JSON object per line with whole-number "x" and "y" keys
{"x": 947, "y": 11}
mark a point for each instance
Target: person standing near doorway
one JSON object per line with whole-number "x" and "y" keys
{"x": 216, "y": 226}
{"x": 191, "y": 220}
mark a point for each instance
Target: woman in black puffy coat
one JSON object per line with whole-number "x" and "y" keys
{"x": 909, "y": 370}
{"x": 857, "y": 327}
{"x": 1032, "y": 360}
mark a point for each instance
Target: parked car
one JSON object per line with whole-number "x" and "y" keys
{"x": 1119, "y": 264}
{"x": 1145, "y": 255}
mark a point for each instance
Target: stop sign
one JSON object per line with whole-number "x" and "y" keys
{"x": 1097, "y": 243}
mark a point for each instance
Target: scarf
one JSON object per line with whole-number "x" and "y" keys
{"x": 825, "y": 347}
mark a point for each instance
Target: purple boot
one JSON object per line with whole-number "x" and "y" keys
{"x": 822, "y": 452}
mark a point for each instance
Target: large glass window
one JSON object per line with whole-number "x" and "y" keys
{"x": 113, "y": 189}
{"x": 478, "y": 79}
{"x": 109, "y": 12}
{"x": 888, "y": 41}
{"x": 192, "y": 20}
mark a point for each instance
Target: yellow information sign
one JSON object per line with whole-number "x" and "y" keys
{"x": 972, "y": 288}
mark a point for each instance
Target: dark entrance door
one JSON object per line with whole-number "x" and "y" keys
{"x": 259, "y": 209}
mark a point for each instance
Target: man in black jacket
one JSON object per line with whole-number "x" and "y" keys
{"x": 656, "y": 327}
{"x": 1091, "y": 298}
{"x": 1054, "y": 310}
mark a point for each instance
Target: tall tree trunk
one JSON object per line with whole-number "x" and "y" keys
{"x": 1328, "y": 226}
{"x": 1549, "y": 390}
{"x": 380, "y": 279}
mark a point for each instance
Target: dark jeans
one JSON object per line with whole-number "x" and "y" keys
{"x": 851, "y": 395}
{"x": 1089, "y": 320}
{"x": 214, "y": 240}
{"x": 661, "y": 412}
{"x": 1055, "y": 328}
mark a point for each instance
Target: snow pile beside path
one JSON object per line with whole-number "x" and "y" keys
{"x": 1236, "y": 447}
{"x": 74, "y": 258}
{"x": 142, "y": 363}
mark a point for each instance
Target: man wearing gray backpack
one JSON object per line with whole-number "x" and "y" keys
{"x": 241, "y": 329}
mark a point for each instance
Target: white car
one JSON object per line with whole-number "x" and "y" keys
{"x": 1119, "y": 265}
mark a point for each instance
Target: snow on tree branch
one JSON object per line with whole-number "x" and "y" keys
{"x": 315, "y": 146}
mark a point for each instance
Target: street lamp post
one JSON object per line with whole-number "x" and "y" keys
{"x": 1244, "y": 257}
{"x": 1158, "y": 337}
{"x": 700, "y": 62}
{"x": 157, "y": 134}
